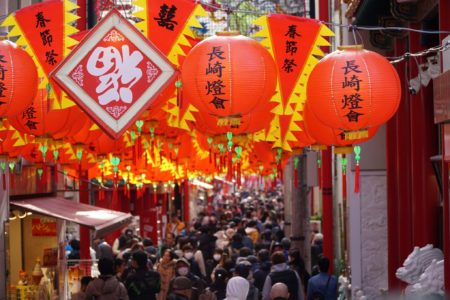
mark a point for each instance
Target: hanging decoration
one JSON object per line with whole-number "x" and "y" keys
{"x": 228, "y": 75}
{"x": 168, "y": 23}
{"x": 354, "y": 89}
{"x": 294, "y": 43}
{"x": 114, "y": 74}
{"x": 44, "y": 29}
{"x": 18, "y": 79}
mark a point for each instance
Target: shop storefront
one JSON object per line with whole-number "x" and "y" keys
{"x": 36, "y": 242}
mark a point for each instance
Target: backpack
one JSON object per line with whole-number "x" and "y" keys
{"x": 319, "y": 295}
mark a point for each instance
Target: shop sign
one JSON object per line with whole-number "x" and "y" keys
{"x": 114, "y": 74}
{"x": 41, "y": 227}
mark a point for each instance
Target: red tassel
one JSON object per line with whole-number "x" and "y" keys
{"x": 215, "y": 160}
{"x": 344, "y": 185}
{"x": 210, "y": 156}
{"x": 170, "y": 156}
{"x": 65, "y": 182}
{"x": 230, "y": 166}
{"x": 357, "y": 170}
{"x": 139, "y": 146}
{"x": 319, "y": 176}
{"x": 155, "y": 200}
{"x": 146, "y": 159}
{"x": 44, "y": 177}
{"x": 296, "y": 177}
{"x": 160, "y": 157}
{"x": 134, "y": 154}
{"x": 238, "y": 176}
{"x": 55, "y": 173}
{"x": 11, "y": 179}
{"x": 4, "y": 181}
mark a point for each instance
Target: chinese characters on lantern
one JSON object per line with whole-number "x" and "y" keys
{"x": 351, "y": 99}
{"x": 3, "y": 72}
{"x": 30, "y": 115}
{"x": 46, "y": 38}
{"x": 214, "y": 85}
{"x": 166, "y": 17}
{"x": 290, "y": 49}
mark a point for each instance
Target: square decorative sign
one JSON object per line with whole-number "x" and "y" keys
{"x": 114, "y": 74}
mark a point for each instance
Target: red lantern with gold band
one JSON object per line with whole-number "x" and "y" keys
{"x": 326, "y": 135}
{"x": 228, "y": 75}
{"x": 18, "y": 79}
{"x": 352, "y": 89}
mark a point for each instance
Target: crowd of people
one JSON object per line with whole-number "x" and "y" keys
{"x": 238, "y": 252}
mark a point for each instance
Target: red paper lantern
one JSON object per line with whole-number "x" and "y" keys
{"x": 352, "y": 89}
{"x": 228, "y": 75}
{"x": 326, "y": 135}
{"x": 18, "y": 79}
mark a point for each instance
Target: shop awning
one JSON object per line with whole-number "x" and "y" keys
{"x": 102, "y": 220}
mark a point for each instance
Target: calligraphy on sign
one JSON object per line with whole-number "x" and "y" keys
{"x": 114, "y": 74}
{"x": 3, "y": 73}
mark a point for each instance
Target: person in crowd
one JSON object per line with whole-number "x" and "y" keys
{"x": 81, "y": 295}
{"x": 182, "y": 269}
{"x": 211, "y": 264}
{"x": 188, "y": 254}
{"x": 252, "y": 231}
{"x": 297, "y": 264}
{"x": 121, "y": 242}
{"x": 181, "y": 289}
{"x": 75, "y": 253}
{"x": 166, "y": 269}
{"x": 246, "y": 240}
{"x": 142, "y": 283}
{"x": 279, "y": 291}
{"x": 263, "y": 271}
{"x": 281, "y": 273}
{"x": 243, "y": 269}
{"x": 120, "y": 266}
{"x": 237, "y": 288}
{"x": 316, "y": 249}
{"x": 170, "y": 240}
{"x": 219, "y": 285}
{"x": 175, "y": 225}
{"x": 103, "y": 249}
{"x": 323, "y": 285}
{"x": 106, "y": 286}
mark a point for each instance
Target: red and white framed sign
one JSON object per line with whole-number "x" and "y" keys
{"x": 114, "y": 74}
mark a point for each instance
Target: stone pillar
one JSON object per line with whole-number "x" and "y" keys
{"x": 368, "y": 234}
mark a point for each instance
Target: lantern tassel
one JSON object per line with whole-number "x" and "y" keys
{"x": 357, "y": 171}
{"x": 344, "y": 185}
{"x": 11, "y": 179}
{"x": 4, "y": 181}
{"x": 210, "y": 156}
{"x": 319, "y": 176}
{"x": 230, "y": 166}
{"x": 55, "y": 174}
{"x": 296, "y": 177}
{"x": 238, "y": 174}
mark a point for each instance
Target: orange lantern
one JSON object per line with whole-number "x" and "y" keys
{"x": 18, "y": 79}
{"x": 352, "y": 89}
{"x": 39, "y": 119}
{"x": 326, "y": 135}
{"x": 228, "y": 75}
